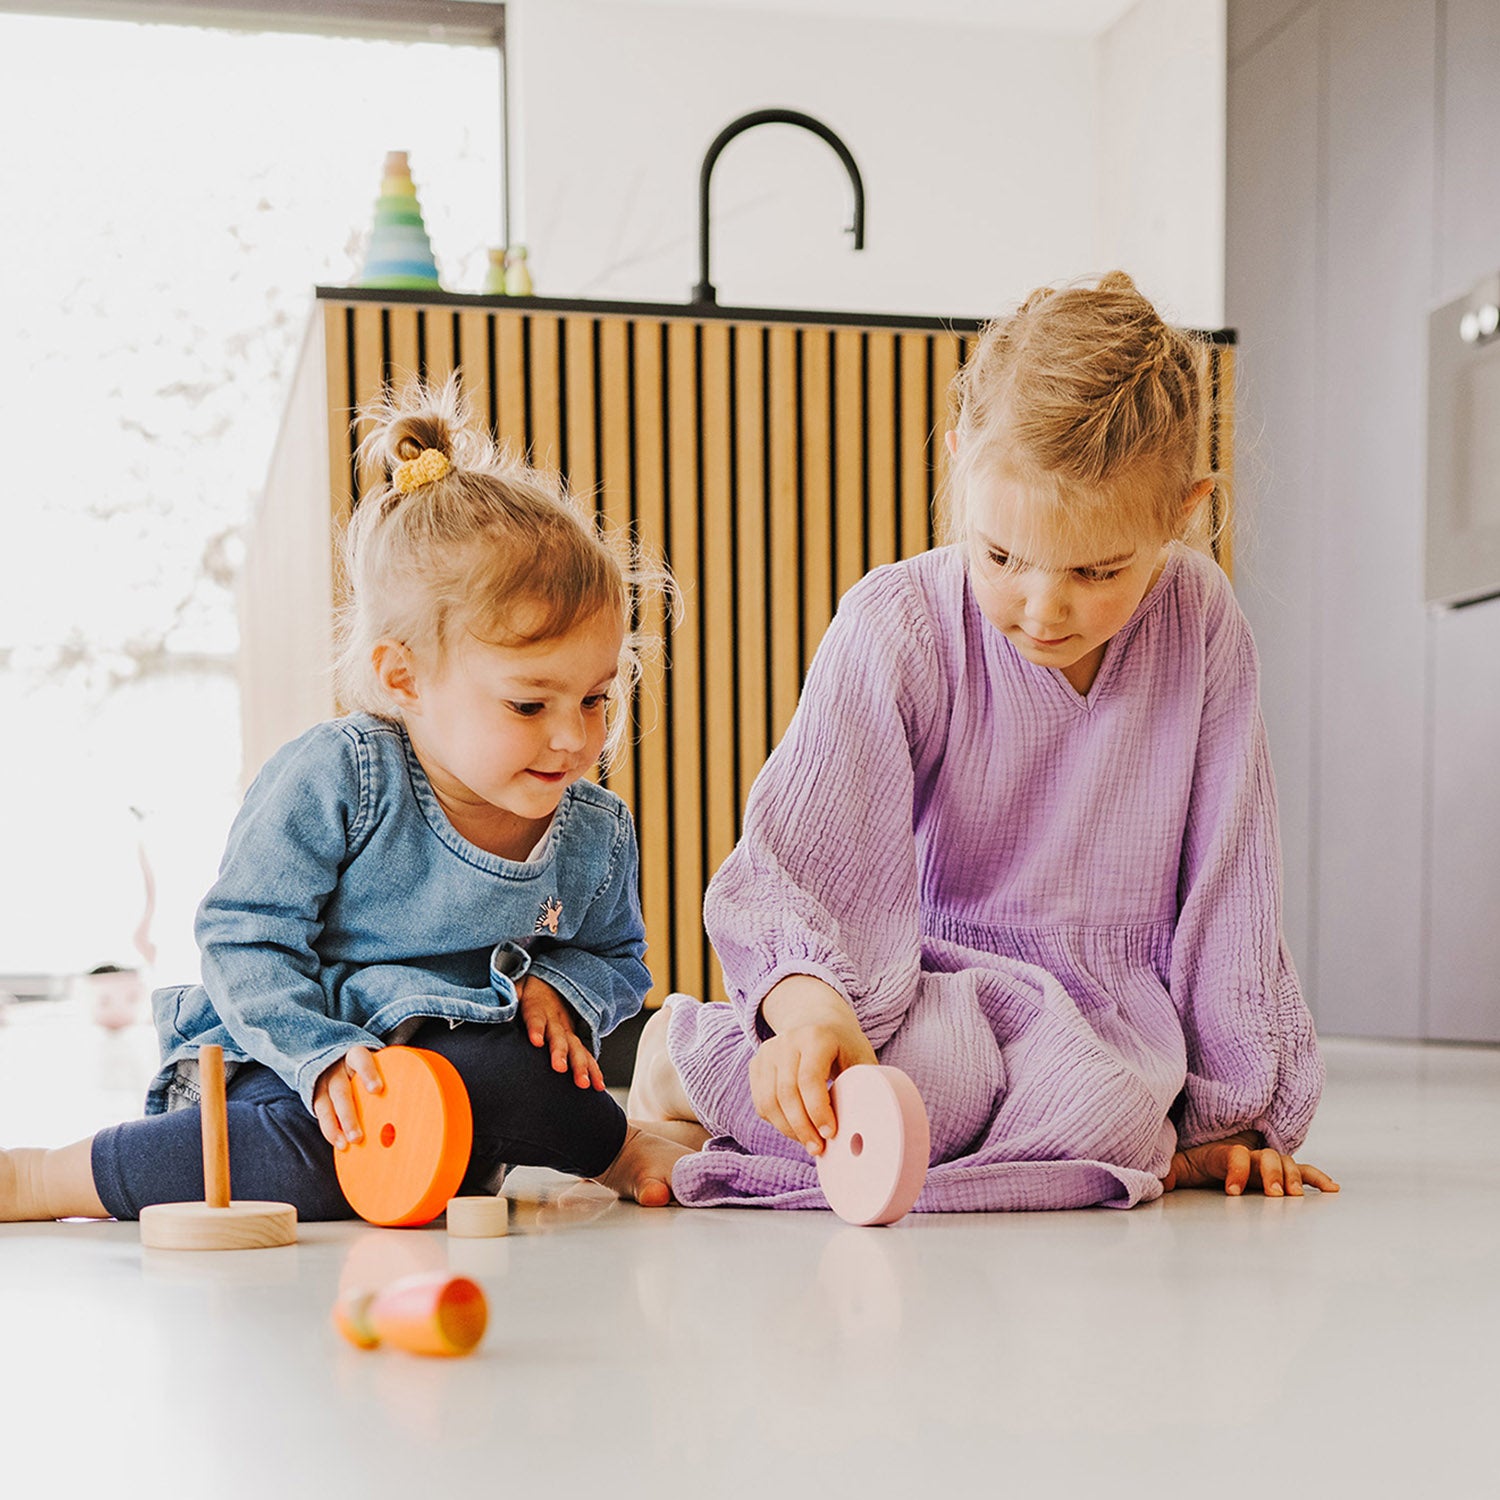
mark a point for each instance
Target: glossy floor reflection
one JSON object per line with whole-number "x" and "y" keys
{"x": 1333, "y": 1346}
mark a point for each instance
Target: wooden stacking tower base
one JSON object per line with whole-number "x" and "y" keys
{"x": 217, "y": 1223}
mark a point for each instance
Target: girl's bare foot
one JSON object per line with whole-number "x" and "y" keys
{"x": 36, "y": 1183}
{"x": 657, "y": 1098}
{"x": 643, "y": 1169}
{"x": 20, "y": 1180}
{"x": 687, "y": 1133}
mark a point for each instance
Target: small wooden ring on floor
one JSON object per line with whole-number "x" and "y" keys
{"x": 416, "y": 1137}
{"x": 872, "y": 1171}
{"x": 486, "y": 1218}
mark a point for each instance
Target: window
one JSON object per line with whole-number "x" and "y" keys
{"x": 174, "y": 193}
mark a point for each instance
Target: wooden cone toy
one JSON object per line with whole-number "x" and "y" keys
{"x": 417, "y": 1135}
{"x": 872, "y": 1171}
{"x": 217, "y": 1223}
{"x": 432, "y": 1313}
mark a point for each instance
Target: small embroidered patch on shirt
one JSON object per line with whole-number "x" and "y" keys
{"x": 549, "y": 915}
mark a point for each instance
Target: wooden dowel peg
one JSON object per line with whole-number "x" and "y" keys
{"x": 218, "y": 1223}
{"x": 215, "y": 1111}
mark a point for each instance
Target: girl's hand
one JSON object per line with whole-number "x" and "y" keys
{"x": 548, "y": 1020}
{"x": 817, "y": 1037}
{"x": 333, "y": 1096}
{"x": 1241, "y": 1162}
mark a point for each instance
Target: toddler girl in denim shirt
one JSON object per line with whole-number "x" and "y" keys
{"x": 434, "y": 868}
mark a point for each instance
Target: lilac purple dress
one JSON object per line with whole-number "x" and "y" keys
{"x": 1059, "y": 914}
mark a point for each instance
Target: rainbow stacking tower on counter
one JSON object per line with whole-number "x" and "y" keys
{"x": 400, "y": 254}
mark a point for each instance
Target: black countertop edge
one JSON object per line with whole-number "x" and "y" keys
{"x": 696, "y": 311}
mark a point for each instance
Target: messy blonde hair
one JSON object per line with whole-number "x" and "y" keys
{"x": 1082, "y": 389}
{"x": 490, "y": 547}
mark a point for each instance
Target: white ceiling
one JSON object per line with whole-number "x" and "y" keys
{"x": 1065, "y": 17}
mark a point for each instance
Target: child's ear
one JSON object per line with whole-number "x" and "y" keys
{"x": 1195, "y": 497}
{"x": 951, "y": 438}
{"x": 394, "y": 669}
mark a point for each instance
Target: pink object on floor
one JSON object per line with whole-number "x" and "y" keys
{"x": 872, "y": 1171}
{"x": 429, "y": 1313}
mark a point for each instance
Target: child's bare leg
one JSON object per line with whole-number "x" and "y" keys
{"x": 643, "y": 1169}
{"x": 657, "y": 1098}
{"x": 39, "y": 1184}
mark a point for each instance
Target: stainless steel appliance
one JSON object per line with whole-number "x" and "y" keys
{"x": 1463, "y": 448}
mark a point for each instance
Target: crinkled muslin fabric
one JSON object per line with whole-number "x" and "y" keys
{"x": 1059, "y": 914}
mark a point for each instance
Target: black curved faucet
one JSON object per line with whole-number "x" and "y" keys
{"x": 704, "y": 291}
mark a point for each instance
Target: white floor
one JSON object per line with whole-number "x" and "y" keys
{"x": 1339, "y": 1346}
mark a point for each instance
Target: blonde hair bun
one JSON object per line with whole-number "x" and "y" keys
{"x": 1080, "y": 386}
{"x": 406, "y": 423}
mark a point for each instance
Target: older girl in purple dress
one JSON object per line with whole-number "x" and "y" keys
{"x": 1020, "y": 838}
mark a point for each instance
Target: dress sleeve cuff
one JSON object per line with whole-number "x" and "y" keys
{"x": 751, "y": 1013}
{"x": 589, "y": 1011}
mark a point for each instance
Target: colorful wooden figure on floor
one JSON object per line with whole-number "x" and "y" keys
{"x": 872, "y": 1171}
{"x": 417, "y": 1136}
{"x": 431, "y": 1313}
{"x": 218, "y": 1223}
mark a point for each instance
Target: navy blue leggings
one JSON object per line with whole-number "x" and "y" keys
{"x": 524, "y": 1115}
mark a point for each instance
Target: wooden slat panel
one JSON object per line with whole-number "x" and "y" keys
{"x": 437, "y": 334}
{"x": 474, "y": 361}
{"x": 546, "y": 392}
{"x": 340, "y": 414}
{"x": 614, "y": 495}
{"x": 1200, "y": 528}
{"x": 752, "y": 526}
{"x": 653, "y": 786}
{"x": 614, "y": 417}
{"x": 916, "y": 475}
{"x": 762, "y": 523}
{"x": 369, "y": 375}
{"x": 816, "y": 561}
{"x": 685, "y": 703}
{"x": 404, "y": 366}
{"x": 849, "y": 463}
{"x": 510, "y": 383}
{"x": 1223, "y": 416}
{"x": 880, "y": 447}
{"x": 946, "y": 357}
{"x": 717, "y": 592}
{"x": 578, "y": 400}
{"x": 785, "y": 537}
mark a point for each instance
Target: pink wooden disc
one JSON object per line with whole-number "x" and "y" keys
{"x": 872, "y": 1171}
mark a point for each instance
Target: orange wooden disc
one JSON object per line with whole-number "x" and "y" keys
{"x": 418, "y": 1133}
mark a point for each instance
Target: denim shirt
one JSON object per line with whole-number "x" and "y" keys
{"x": 347, "y": 904}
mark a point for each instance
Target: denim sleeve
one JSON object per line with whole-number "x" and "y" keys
{"x": 601, "y": 971}
{"x": 257, "y": 926}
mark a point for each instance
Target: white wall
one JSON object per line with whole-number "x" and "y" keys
{"x": 1361, "y": 134}
{"x": 980, "y": 150}
{"x": 1161, "y": 154}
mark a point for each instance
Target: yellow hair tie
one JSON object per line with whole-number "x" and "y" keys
{"x": 429, "y": 464}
